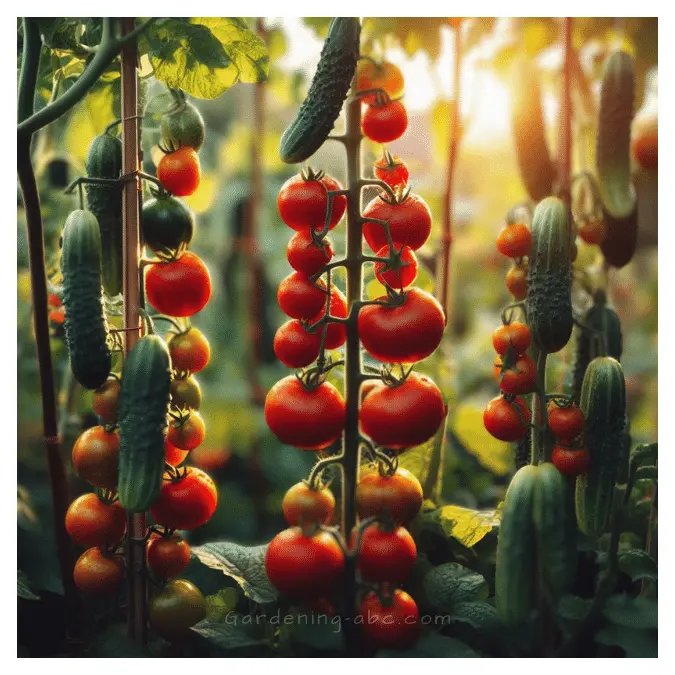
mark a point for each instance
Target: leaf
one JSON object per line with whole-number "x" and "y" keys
{"x": 59, "y": 33}
{"x": 235, "y": 631}
{"x": 573, "y": 608}
{"x": 647, "y": 473}
{"x": 468, "y": 526}
{"x": 318, "y": 24}
{"x": 451, "y": 583}
{"x": 22, "y": 587}
{"x": 417, "y": 460}
{"x": 219, "y": 605}
{"x": 244, "y": 564}
{"x": 633, "y": 612}
{"x": 317, "y": 630}
{"x": 432, "y": 646}
{"x": 115, "y": 643}
{"x": 636, "y": 643}
{"x": 638, "y": 564}
{"x": 644, "y": 454}
{"x": 477, "y": 614}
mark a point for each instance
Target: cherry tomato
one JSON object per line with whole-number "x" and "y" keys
{"x": 181, "y": 287}
{"x": 188, "y": 433}
{"x": 394, "y": 625}
{"x": 403, "y": 333}
{"x": 166, "y": 224}
{"x": 90, "y": 522}
{"x": 303, "y": 506}
{"x": 303, "y": 202}
{"x": 384, "y": 123}
{"x": 401, "y": 273}
{"x": 392, "y": 170}
{"x": 367, "y": 387}
{"x": 96, "y": 457}
{"x": 97, "y": 574}
{"x": 507, "y": 420}
{"x": 186, "y": 393}
{"x": 54, "y": 300}
{"x": 521, "y": 378}
{"x": 175, "y": 609}
{"x": 187, "y": 503}
{"x": 498, "y": 365}
{"x": 398, "y": 496}
{"x": 337, "y": 333}
{"x": 210, "y": 459}
{"x": 190, "y": 351}
{"x": 168, "y": 556}
{"x": 179, "y": 172}
{"x": 593, "y": 232}
{"x": 57, "y": 316}
{"x": 409, "y": 222}
{"x": 515, "y": 334}
{"x": 565, "y": 423}
{"x": 174, "y": 455}
{"x": 105, "y": 401}
{"x": 385, "y": 75}
{"x": 571, "y": 461}
{"x": 299, "y": 565}
{"x": 385, "y": 555}
{"x": 645, "y": 149}
{"x": 299, "y": 298}
{"x": 307, "y": 257}
{"x": 516, "y": 282}
{"x": 307, "y": 419}
{"x": 514, "y": 240}
{"x": 405, "y": 415}
{"x": 294, "y": 346}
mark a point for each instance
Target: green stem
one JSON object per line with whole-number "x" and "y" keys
{"x": 541, "y": 448}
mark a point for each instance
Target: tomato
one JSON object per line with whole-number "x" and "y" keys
{"x": 190, "y": 351}
{"x": 515, "y": 335}
{"x": 385, "y": 555}
{"x": 514, "y": 240}
{"x": 299, "y": 298}
{"x": 521, "y": 378}
{"x": 409, "y": 222}
{"x": 394, "y": 625}
{"x": 175, "y": 609}
{"x": 97, "y": 574}
{"x": 308, "y": 419}
{"x": 516, "y": 282}
{"x": 337, "y": 333}
{"x": 91, "y": 522}
{"x": 402, "y": 272}
{"x": 392, "y": 170}
{"x": 645, "y": 149}
{"x": 187, "y": 503}
{"x": 304, "y": 506}
{"x": 174, "y": 455}
{"x": 404, "y": 333}
{"x": 210, "y": 459}
{"x": 105, "y": 401}
{"x": 384, "y": 123}
{"x": 298, "y": 565}
{"x": 166, "y": 224}
{"x": 182, "y": 125}
{"x": 367, "y": 387}
{"x": 167, "y": 556}
{"x": 398, "y": 496}
{"x": 188, "y": 433}
{"x": 498, "y": 365}
{"x": 307, "y": 257}
{"x": 405, "y": 415}
{"x": 181, "y": 287}
{"x": 57, "y": 316}
{"x": 565, "y": 423}
{"x": 593, "y": 232}
{"x": 571, "y": 461}
{"x": 303, "y": 201}
{"x": 96, "y": 457}
{"x": 179, "y": 172}
{"x": 507, "y": 420}
{"x": 385, "y": 75}
{"x": 186, "y": 393}
{"x": 294, "y": 346}
{"x": 54, "y": 300}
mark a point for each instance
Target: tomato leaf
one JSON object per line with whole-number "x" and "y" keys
{"x": 638, "y": 564}
{"x": 451, "y": 584}
{"x": 432, "y": 645}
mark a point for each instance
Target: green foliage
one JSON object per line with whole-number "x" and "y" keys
{"x": 451, "y": 584}
{"x": 638, "y": 564}
{"x": 432, "y": 646}
{"x": 23, "y": 589}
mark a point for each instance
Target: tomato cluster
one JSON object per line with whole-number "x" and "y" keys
{"x": 566, "y": 422}
{"x": 514, "y": 241}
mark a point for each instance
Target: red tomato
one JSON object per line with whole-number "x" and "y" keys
{"x": 179, "y": 172}
{"x": 385, "y": 76}
{"x": 168, "y": 556}
{"x": 304, "y": 506}
{"x": 645, "y": 149}
{"x": 190, "y": 351}
{"x": 174, "y": 455}
{"x": 516, "y": 282}
{"x": 565, "y": 423}
{"x": 54, "y": 300}
{"x": 507, "y": 420}
{"x": 384, "y": 123}
{"x": 97, "y": 574}
{"x": 187, "y": 433}
{"x": 409, "y": 222}
{"x": 299, "y": 566}
{"x": 593, "y": 232}
{"x": 395, "y": 625}
{"x": 337, "y": 333}
{"x": 515, "y": 334}
{"x": 305, "y": 256}
{"x": 294, "y": 346}
{"x": 90, "y": 522}
{"x": 303, "y": 202}
{"x": 186, "y": 503}
{"x": 514, "y": 240}
{"x": 571, "y": 461}
{"x": 58, "y": 315}
{"x": 401, "y": 273}
{"x": 398, "y": 496}
{"x": 308, "y": 419}
{"x": 392, "y": 170}
{"x": 521, "y": 378}
{"x": 385, "y": 555}
{"x": 96, "y": 457}
{"x": 181, "y": 287}
{"x": 105, "y": 401}
{"x": 405, "y": 415}
{"x": 404, "y": 333}
{"x": 498, "y": 365}
{"x": 300, "y": 298}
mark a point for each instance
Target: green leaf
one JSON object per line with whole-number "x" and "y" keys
{"x": 644, "y": 454}
{"x": 317, "y": 630}
{"x": 467, "y": 526}
{"x": 573, "y": 608}
{"x": 647, "y": 473}
{"x": 636, "y": 643}
{"x": 638, "y": 564}
{"x": 451, "y": 583}
{"x": 59, "y": 33}
{"x": 432, "y": 646}
{"x": 244, "y": 564}
{"x": 219, "y": 605}
{"x": 23, "y": 588}
{"x": 318, "y": 24}
{"x": 235, "y": 631}
{"x": 633, "y": 612}
{"x": 477, "y": 614}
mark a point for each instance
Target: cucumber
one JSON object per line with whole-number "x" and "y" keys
{"x": 183, "y": 125}
{"x": 549, "y": 296}
{"x": 85, "y": 323}
{"x": 327, "y": 92}
{"x": 603, "y": 402}
{"x": 104, "y": 160}
{"x": 143, "y": 422}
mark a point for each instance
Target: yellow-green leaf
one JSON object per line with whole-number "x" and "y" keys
{"x": 468, "y": 526}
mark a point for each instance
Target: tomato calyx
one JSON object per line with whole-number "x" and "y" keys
{"x": 391, "y": 380}
{"x": 388, "y": 162}
{"x": 398, "y": 195}
{"x": 309, "y": 174}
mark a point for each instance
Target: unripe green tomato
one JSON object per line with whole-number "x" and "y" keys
{"x": 178, "y": 607}
{"x": 183, "y": 127}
